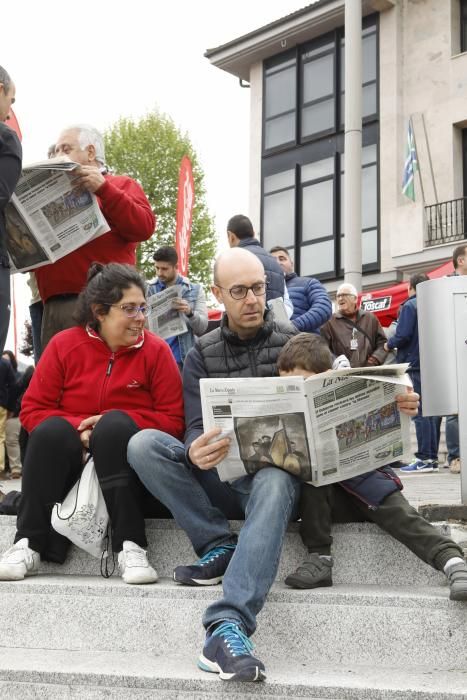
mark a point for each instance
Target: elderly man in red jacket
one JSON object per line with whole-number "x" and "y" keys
{"x": 124, "y": 206}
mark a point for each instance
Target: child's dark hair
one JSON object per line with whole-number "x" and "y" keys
{"x": 105, "y": 286}
{"x": 306, "y": 351}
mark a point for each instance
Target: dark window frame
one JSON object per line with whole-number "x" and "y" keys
{"x": 463, "y": 25}
{"x": 306, "y": 150}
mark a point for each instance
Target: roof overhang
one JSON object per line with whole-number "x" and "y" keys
{"x": 237, "y": 56}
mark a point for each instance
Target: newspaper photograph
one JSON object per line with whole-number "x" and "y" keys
{"x": 356, "y": 423}
{"x": 48, "y": 216}
{"x": 323, "y": 429}
{"x": 163, "y": 318}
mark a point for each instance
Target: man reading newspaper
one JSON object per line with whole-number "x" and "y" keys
{"x": 185, "y": 479}
{"x": 126, "y": 210}
{"x": 375, "y": 495}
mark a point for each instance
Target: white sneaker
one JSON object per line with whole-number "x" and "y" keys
{"x": 19, "y": 561}
{"x": 134, "y": 566}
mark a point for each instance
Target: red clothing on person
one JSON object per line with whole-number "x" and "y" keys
{"x": 131, "y": 220}
{"x": 78, "y": 376}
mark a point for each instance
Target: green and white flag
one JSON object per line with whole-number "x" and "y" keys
{"x": 410, "y": 165}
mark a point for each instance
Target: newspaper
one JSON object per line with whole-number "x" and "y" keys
{"x": 48, "y": 217}
{"x": 279, "y": 310}
{"x": 163, "y": 319}
{"x": 324, "y": 429}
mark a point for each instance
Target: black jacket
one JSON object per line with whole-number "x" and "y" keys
{"x": 274, "y": 274}
{"x": 10, "y": 170}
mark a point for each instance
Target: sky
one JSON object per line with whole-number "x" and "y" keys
{"x": 95, "y": 62}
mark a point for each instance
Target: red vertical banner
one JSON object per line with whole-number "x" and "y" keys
{"x": 185, "y": 201}
{"x": 12, "y": 122}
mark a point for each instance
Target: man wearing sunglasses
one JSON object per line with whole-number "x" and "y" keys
{"x": 184, "y": 477}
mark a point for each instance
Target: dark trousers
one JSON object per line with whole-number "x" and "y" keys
{"x": 320, "y": 507}
{"x": 4, "y": 304}
{"x": 35, "y": 313}
{"x": 57, "y": 315}
{"x": 54, "y": 461}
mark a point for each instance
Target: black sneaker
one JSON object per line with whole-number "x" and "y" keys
{"x": 315, "y": 572}
{"x": 457, "y": 577}
{"x": 227, "y": 651}
{"x": 208, "y": 570}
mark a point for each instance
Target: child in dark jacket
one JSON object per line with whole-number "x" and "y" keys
{"x": 374, "y": 496}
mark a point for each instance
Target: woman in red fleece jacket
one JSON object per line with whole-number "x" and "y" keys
{"x": 95, "y": 386}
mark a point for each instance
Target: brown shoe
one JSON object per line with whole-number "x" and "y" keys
{"x": 455, "y": 466}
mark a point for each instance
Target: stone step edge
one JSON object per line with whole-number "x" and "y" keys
{"x": 337, "y": 528}
{"x": 338, "y": 594}
{"x": 142, "y": 670}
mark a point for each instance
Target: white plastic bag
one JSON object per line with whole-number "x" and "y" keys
{"x": 82, "y": 517}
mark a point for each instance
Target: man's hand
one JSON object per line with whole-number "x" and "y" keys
{"x": 182, "y": 305}
{"x": 205, "y": 452}
{"x": 385, "y": 347}
{"x": 372, "y": 361}
{"x": 85, "y": 429}
{"x": 88, "y": 177}
{"x": 408, "y": 403}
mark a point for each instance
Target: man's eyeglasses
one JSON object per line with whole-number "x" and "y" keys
{"x": 344, "y": 296}
{"x": 132, "y": 310}
{"x": 240, "y": 291}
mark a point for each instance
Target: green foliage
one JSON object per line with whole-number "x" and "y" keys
{"x": 150, "y": 151}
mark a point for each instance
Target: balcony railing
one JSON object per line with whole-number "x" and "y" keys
{"x": 446, "y": 222}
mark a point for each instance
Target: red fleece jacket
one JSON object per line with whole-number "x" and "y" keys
{"x": 79, "y": 376}
{"x": 131, "y": 220}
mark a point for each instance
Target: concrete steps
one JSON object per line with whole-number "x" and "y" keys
{"x": 363, "y": 554}
{"x": 63, "y": 675}
{"x": 69, "y": 633}
{"x": 342, "y": 624}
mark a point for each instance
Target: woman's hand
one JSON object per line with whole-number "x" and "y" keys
{"x": 205, "y": 452}
{"x": 85, "y": 429}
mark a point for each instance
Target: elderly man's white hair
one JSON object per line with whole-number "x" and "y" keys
{"x": 347, "y": 288}
{"x": 89, "y": 136}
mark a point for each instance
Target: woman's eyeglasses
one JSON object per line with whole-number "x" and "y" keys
{"x": 132, "y": 310}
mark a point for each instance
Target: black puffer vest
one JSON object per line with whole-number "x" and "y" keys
{"x": 226, "y": 355}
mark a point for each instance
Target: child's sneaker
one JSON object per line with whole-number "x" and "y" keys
{"x": 315, "y": 572}
{"x": 19, "y": 561}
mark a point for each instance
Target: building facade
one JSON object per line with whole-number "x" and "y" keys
{"x": 414, "y": 67}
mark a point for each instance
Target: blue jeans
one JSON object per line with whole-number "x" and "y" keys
{"x": 425, "y": 426}
{"x": 268, "y": 500}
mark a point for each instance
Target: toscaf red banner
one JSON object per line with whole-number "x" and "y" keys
{"x": 185, "y": 201}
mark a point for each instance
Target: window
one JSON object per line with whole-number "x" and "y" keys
{"x": 303, "y": 161}
{"x": 318, "y": 90}
{"x": 280, "y": 103}
{"x": 463, "y": 18}
{"x": 279, "y": 210}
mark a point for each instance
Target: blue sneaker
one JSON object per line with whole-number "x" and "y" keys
{"x": 418, "y": 465}
{"x": 208, "y": 570}
{"x": 227, "y": 651}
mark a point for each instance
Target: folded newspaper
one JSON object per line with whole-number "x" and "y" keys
{"x": 164, "y": 319}
{"x": 48, "y": 216}
{"x": 323, "y": 429}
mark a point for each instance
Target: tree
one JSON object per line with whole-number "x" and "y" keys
{"x": 150, "y": 151}
{"x": 27, "y": 346}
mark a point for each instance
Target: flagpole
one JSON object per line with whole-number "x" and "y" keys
{"x": 418, "y": 162}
